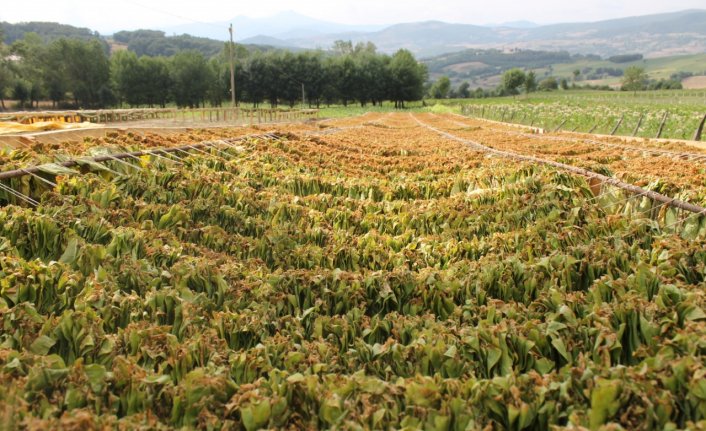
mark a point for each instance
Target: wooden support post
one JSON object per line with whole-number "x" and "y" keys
{"x": 560, "y": 125}
{"x": 661, "y": 126}
{"x": 699, "y": 129}
{"x": 637, "y": 127}
{"x": 617, "y": 126}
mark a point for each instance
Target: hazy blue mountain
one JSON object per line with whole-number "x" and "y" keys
{"x": 288, "y": 24}
{"x": 514, "y": 24}
{"x": 656, "y": 35}
{"x": 661, "y": 34}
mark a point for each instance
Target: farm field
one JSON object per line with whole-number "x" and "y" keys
{"x": 380, "y": 271}
{"x": 597, "y": 112}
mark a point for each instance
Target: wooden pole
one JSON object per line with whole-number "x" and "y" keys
{"x": 639, "y": 123}
{"x": 700, "y": 129}
{"x": 617, "y": 126}
{"x": 661, "y": 125}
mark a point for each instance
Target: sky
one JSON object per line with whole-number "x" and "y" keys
{"x": 110, "y": 16}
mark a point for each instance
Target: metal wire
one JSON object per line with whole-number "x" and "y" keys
{"x": 608, "y": 181}
{"x": 51, "y": 183}
{"x": 123, "y": 162}
{"x": 601, "y": 183}
{"x": 19, "y": 195}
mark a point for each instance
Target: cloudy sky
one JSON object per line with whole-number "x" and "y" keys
{"x": 113, "y": 15}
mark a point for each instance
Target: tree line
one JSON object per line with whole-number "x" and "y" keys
{"x": 83, "y": 74}
{"x": 515, "y": 81}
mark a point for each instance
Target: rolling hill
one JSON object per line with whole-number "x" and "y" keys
{"x": 483, "y": 68}
{"x": 653, "y": 35}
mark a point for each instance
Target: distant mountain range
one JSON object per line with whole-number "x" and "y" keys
{"x": 653, "y": 35}
{"x": 282, "y": 26}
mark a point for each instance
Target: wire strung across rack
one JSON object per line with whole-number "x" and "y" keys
{"x": 652, "y": 208}
{"x": 682, "y": 155}
{"x": 637, "y": 191}
{"x": 118, "y": 157}
{"x": 608, "y": 180}
{"x": 600, "y": 184}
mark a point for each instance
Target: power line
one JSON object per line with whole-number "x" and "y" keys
{"x": 164, "y": 12}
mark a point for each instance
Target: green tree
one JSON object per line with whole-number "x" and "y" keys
{"x": 343, "y": 47}
{"x": 348, "y": 79}
{"x": 21, "y": 92}
{"x": 156, "y": 83}
{"x": 31, "y": 67}
{"x": 407, "y": 78}
{"x": 441, "y": 88}
{"x": 123, "y": 75}
{"x": 576, "y": 74}
{"x": 634, "y": 79}
{"x": 86, "y": 68}
{"x": 512, "y": 80}
{"x": 530, "y": 83}
{"x": 288, "y": 76}
{"x": 564, "y": 84}
{"x": 464, "y": 90}
{"x": 55, "y": 78}
{"x": 254, "y": 79}
{"x": 549, "y": 84}
{"x": 219, "y": 88}
{"x": 371, "y": 75}
{"x": 192, "y": 78}
{"x": 310, "y": 69}
{"x": 7, "y": 74}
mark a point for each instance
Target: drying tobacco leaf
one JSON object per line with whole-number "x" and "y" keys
{"x": 377, "y": 277}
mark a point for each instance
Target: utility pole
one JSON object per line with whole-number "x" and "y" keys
{"x": 232, "y": 67}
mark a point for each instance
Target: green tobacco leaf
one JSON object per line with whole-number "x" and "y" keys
{"x": 422, "y": 394}
{"x": 544, "y": 365}
{"x": 604, "y": 402}
{"x": 42, "y": 345}
{"x": 695, "y": 313}
{"x": 92, "y": 164}
{"x": 691, "y": 229}
{"x": 55, "y": 169}
{"x": 698, "y": 389}
{"x": 96, "y": 375}
{"x": 158, "y": 379}
{"x": 560, "y": 347}
{"x": 74, "y": 399}
{"x": 256, "y": 416}
{"x": 69, "y": 255}
{"x": 494, "y": 355}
